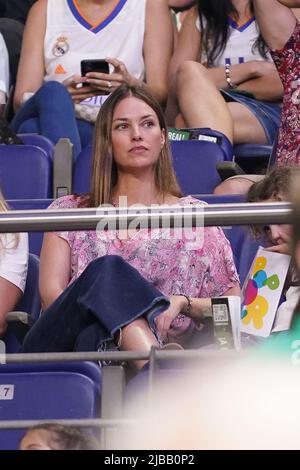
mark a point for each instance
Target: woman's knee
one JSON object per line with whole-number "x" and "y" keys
{"x": 188, "y": 72}
{"x": 54, "y": 91}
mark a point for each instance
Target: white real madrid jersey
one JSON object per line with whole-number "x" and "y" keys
{"x": 240, "y": 45}
{"x": 70, "y": 38}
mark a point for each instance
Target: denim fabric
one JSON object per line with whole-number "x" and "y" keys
{"x": 108, "y": 295}
{"x": 50, "y": 112}
{"x": 267, "y": 113}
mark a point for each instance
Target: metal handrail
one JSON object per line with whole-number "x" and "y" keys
{"x": 121, "y": 218}
{"x": 95, "y": 422}
{"x": 118, "y": 356}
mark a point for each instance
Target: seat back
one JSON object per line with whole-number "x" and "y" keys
{"x": 35, "y": 238}
{"x": 252, "y": 158}
{"x": 82, "y": 171}
{"x": 243, "y": 245}
{"x": 38, "y": 141}
{"x": 211, "y": 135}
{"x": 195, "y": 165}
{"x": 29, "y": 303}
{"x": 48, "y": 391}
{"x": 25, "y": 172}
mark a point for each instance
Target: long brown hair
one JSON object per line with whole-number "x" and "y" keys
{"x": 104, "y": 169}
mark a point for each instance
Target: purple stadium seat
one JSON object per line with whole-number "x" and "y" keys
{"x": 38, "y": 141}
{"x": 243, "y": 245}
{"x": 29, "y": 303}
{"x": 194, "y": 163}
{"x": 25, "y": 172}
{"x": 213, "y": 136}
{"x": 35, "y": 238}
{"x": 50, "y": 391}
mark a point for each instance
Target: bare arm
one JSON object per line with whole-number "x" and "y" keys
{"x": 9, "y": 295}
{"x": 179, "y": 304}
{"x": 158, "y": 48}
{"x": 200, "y": 306}
{"x": 187, "y": 48}
{"x": 290, "y": 3}
{"x": 266, "y": 88}
{"x": 31, "y": 68}
{"x": 276, "y": 21}
{"x": 54, "y": 268}
{"x": 258, "y": 77}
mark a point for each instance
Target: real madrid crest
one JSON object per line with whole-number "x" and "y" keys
{"x": 61, "y": 46}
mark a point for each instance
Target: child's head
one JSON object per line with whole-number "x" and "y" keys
{"x": 51, "y": 436}
{"x": 277, "y": 186}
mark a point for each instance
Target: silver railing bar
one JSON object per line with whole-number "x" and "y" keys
{"x": 118, "y": 355}
{"x": 120, "y": 218}
{"x": 96, "y": 422}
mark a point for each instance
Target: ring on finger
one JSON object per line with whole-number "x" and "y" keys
{"x": 109, "y": 84}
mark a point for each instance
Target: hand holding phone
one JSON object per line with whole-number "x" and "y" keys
{"x": 93, "y": 65}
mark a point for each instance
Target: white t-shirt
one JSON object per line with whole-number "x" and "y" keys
{"x": 4, "y": 66}
{"x": 14, "y": 259}
{"x": 239, "y": 47}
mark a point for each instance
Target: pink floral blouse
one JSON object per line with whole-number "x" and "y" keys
{"x": 174, "y": 265}
{"x": 287, "y": 61}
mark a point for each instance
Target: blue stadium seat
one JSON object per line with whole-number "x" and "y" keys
{"x": 252, "y": 150}
{"x": 252, "y": 157}
{"x": 29, "y": 303}
{"x": 38, "y": 141}
{"x": 50, "y": 391}
{"x": 25, "y": 172}
{"x": 211, "y": 135}
{"x": 194, "y": 164}
{"x": 35, "y": 238}
{"x": 253, "y": 154}
{"x": 82, "y": 171}
{"x": 243, "y": 245}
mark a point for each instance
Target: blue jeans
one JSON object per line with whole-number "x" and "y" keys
{"x": 50, "y": 112}
{"x": 108, "y": 295}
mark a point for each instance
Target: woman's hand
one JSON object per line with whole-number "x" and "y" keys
{"x": 163, "y": 322}
{"x": 78, "y": 92}
{"x": 284, "y": 247}
{"x": 106, "y": 83}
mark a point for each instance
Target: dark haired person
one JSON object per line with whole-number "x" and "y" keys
{"x": 220, "y": 47}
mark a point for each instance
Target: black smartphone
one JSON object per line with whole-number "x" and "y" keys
{"x": 93, "y": 65}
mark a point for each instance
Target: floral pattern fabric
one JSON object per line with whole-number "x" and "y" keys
{"x": 287, "y": 61}
{"x": 174, "y": 265}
